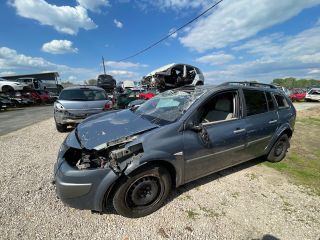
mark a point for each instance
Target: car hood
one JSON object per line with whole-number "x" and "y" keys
{"x": 106, "y": 127}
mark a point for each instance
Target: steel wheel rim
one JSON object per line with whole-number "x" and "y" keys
{"x": 144, "y": 192}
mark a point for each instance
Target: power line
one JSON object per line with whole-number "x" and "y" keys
{"x": 170, "y": 34}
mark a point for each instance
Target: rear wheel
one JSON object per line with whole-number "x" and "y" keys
{"x": 143, "y": 193}
{"x": 61, "y": 127}
{"x": 279, "y": 149}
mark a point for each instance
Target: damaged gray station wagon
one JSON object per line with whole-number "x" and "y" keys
{"x": 134, "y": 157}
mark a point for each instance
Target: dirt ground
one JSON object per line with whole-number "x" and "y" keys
{"x": 250, "y": 201}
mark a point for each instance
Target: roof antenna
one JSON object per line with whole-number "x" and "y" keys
{"x": 104, "y": 67}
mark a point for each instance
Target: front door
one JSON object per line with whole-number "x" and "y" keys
{"x": 222, "y": 139}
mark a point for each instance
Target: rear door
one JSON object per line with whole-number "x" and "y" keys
{"x": 261, "y": 120}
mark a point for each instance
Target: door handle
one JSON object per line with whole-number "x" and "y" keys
{"x": 273, "y": 121}
{"x": 239, "y": 131}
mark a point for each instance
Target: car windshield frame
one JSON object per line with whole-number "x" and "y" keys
{"x": 169, "y": 106}
{"x": 82, "y": 96}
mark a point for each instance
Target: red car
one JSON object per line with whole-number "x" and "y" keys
{"x": 146, "y": 95}
{"x": 297, "y": 95}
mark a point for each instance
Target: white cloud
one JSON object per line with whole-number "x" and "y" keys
{"x": 124, "y": 75}
{"x": 93, "y": 5}
{"x": 10, "y": 60}
{"x": 238, "y": 20}
{"x": 64, "y": 19}
{"x": 297, "y": 56}
{"x": 178, "y": 4}
{"x": 124, "y": 65}
{"x": 216, "y": 58}
{"x": 7, "y": 73}
{"x": 72, "y": 78}
{"x": 174, "y": 35}
{"x": 59, "y": 47}
{"x": 118, "y": 23}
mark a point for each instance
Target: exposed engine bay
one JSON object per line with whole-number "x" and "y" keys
{"x": 108, "y": 155}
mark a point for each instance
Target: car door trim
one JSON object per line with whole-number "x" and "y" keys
{"x": 242, "y": 146}
{"x": 258, "y": 140}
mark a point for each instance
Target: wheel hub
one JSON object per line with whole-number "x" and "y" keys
{"x": 144, "y": 191}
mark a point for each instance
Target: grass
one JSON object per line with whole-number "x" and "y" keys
{"x": 192, "y": 214}
{"x": 302, "y": 163}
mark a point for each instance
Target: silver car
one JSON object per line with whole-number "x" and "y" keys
{"x": 76, "y": 103}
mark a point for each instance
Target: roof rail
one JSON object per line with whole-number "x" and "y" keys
{"x": 251, "y": 84}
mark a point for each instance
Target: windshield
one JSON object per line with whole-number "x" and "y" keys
{"x": 168, "y": 106}
{"x": 82, "y": 95}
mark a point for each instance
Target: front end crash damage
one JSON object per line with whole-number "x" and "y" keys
{"x": 111, "y": 155}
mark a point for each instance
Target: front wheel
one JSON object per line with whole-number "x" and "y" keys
{"x": 61, "y": 127}
{"x": 143, "y": 193}
{"x": 279, "y": 149}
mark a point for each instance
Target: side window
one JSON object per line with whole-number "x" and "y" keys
{"x": 281, "y": 101}
{"x": 255, "y": 102}
{"x": 221, "y": 107}
{"x": 191, "y": 73}
{"x": 270, "y": 101}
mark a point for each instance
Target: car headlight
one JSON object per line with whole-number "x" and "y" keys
{"x": 59, "y": 106}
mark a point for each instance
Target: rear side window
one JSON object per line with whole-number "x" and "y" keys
{"x": 281, "y": 101}
{"x": 255, "y": 102}
{"x": 270, "y": 101}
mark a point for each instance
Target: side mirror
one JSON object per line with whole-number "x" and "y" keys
{"x": 193, "y": 127}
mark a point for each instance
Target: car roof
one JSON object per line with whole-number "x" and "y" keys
{"x": 83, "y": 87}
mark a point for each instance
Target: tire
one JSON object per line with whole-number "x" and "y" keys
{"x": 61, "y": 127}
{"x": 279, "y": 149}
{"x": 143, "y": 193}
{"x": 7, "y": 89}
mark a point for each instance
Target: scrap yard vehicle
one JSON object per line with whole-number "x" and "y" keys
{"x": 76, "y": 103}
{"x": 10, "y": 86}
{"x": 297, "y": 95}
{"x": 134, "y": 157}
{"x": 313, "y": 95}
{"x": 107, "y": 82}
{"x": 174, "y": 75}
{"x": 32, "y": 83}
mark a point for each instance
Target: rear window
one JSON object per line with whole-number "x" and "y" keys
{"x": 270, "y": 101}
{"x": 281, "y": 101}
{"x": 255, "y": 102}
{"x": 82, "y": 95}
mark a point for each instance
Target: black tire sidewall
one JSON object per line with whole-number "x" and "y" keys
{"x": 120, "y": 195}
{"x": 271, "y": 156}
{"x": 61, "y": 127}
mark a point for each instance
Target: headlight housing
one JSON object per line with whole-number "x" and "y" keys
{"x": 59, "y": 106}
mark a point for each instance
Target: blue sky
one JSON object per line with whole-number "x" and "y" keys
{"x": 239, "y": 40}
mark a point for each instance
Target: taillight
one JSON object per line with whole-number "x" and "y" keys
{"x": 107, "y": 106}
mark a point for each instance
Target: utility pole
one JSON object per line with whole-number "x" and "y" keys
{"x": 104, "y": 67}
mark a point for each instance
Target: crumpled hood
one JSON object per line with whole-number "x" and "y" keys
{"x": 106, "y": 127}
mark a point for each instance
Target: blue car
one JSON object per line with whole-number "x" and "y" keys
{"x": 134, "y": 157}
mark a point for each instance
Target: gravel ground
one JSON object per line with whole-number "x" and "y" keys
{"x": 245, "y": 202}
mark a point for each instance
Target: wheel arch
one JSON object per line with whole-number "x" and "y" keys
{"x": 159, "y": 163}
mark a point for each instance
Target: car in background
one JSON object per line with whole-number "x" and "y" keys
{"x": 77, "y": 103}
{"x": 134, "y": 157}
{"x": 32, "y": 83}
{"x": 283, "y": 89}
{"x": 107, "y": 82}
{"x": 5, "y": 102}
{"x": 313, "y": 95}
{"x": 174, "y": 75}
{"x": 10, "y": 86}
{"x": 297, "y": 95}
{"x": 127, "y": 96}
